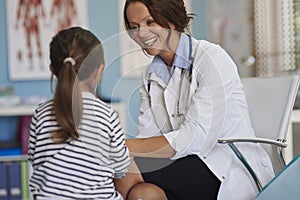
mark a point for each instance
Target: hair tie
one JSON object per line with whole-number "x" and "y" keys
{"x": 71, "y": 60}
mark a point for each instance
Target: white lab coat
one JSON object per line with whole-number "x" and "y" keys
{"x": 216, "y": 108}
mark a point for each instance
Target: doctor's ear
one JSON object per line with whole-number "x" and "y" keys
{"x": 172, "y": 26}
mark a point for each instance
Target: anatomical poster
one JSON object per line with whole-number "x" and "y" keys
{"x": 31, "y": 24}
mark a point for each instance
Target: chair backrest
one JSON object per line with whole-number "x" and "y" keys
{"x": 270, "y": 101}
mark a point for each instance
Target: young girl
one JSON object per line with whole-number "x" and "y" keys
{"x": 76, "y": 145}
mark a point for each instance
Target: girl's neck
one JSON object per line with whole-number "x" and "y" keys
{"x": 85, "y": 87}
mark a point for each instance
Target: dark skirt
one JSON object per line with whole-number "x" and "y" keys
{"x": 182, "y": 179}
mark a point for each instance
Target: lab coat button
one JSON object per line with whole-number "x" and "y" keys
{"x": 204, "y": 157}
{"x": 223, "y": 177}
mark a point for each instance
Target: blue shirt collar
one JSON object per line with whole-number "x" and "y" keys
{"x": 181, "y": 60}
{"x": 182, "y": 52}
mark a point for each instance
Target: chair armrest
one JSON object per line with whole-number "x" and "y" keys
{"x": 231, "y": 141}
{"x": 253, "y": 140}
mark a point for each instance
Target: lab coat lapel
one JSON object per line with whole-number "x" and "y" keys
{"x": 171, "y": 94}
{"x": 156, "y": 79}
{"x": 157, "y": 100}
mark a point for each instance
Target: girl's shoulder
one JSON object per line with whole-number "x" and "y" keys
{"x": 47, "y": 104}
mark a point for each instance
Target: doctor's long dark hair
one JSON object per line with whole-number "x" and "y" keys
{"x": 84, "y": 54}
{"x": 164, "y": 12}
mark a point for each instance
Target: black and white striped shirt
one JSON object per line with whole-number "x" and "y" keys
{"x": 82, "y": 168}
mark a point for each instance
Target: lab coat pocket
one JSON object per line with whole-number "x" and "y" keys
{"x": 239, "y": 185}
{"x": 267, "y": 172}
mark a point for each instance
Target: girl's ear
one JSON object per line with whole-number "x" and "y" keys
{"x": 99, "y": 73}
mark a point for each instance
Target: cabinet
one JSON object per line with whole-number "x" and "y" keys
{"x": 20, "y": 110}
{"x": 14, "y": 169}
{"x": 16, "y": 110}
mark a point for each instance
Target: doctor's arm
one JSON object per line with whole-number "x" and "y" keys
{"x": 154, "y": 147}
{"x": 213, "y": 83}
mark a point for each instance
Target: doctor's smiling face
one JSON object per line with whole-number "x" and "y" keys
{"x": 147, "y": 32}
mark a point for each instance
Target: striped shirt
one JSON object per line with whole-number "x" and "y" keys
{"x": 77, "y": 169}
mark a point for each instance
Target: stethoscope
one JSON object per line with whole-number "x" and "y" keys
{"x": 179, "y": 113}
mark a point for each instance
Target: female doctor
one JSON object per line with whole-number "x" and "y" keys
{"x": 191, "y": 96}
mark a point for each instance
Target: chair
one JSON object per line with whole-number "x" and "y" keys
{"x": 270, "y": 101}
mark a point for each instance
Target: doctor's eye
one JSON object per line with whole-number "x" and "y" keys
{"x": 150, "y": 22}
{"x": 134, "y": 28}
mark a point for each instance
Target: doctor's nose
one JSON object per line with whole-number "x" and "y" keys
{"x": 143, "y": 32}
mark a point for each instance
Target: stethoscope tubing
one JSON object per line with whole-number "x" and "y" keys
{"x": 191, "y": 62}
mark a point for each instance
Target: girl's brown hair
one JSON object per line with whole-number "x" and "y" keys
{"x": 85, "y": 54}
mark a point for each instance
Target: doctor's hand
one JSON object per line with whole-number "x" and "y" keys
{"x": 153, "y": 147}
